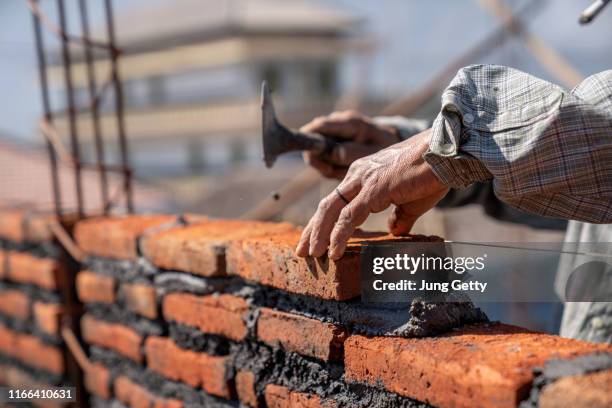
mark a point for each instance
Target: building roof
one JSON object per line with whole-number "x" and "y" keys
{"x": 25, "y": 177}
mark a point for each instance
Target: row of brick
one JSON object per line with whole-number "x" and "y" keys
{"x": 257, "y": 251}
{"x": 21, "y": 225}
{"x": 16, "y": 304}
{"x": 31, "y": 350}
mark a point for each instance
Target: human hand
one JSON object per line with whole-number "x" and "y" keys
{"x": 395, "y": 175}
{"x": 362, "y": 137}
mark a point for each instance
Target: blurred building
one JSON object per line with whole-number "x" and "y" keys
{"x": 192, "y": 70}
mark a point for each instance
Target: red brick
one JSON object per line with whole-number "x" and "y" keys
{"x": 116, "y": 237}
{"x": 98, "y": 380}
{"x": 15, "y": 303}
{"x": 271, "y": 260}
{"x": 31, "y": 351}
{"x": 11, "y": 225}
{"x": 3, "y": 264}
{"x": 47, "y": 317}
{"x": 95, "y": 288}
{"x": 140, "y": 298}
{"x": 193, "y": 368}
{"x": 592, "y": 390}
{"x": 25, "y": 268}
{"x": 303, "y": 335}
{"x": 479, "y": 365}
{"x": 214, "y": 314}
{"x": 36, "y": 226}
{"x": 25, "y": 225}
{"x": 199, "y": 248}
{"x": 136, "y": 396}
{"x": 281, "y": 397}
{"x": 245, "y": 388}
{"x": 113, "y": 336}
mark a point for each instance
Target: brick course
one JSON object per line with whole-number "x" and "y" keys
{"x": 42, "y": 272}
{"x": 95, "y": 288}
{"x": 480, "y": 365}
{"x": 15, "y": 303}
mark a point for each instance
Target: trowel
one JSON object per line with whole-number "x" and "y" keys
{"x": 278, "y": 139}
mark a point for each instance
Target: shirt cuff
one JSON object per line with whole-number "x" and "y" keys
{"x": 405, "y": 127}
{"x": 454, "y": 168}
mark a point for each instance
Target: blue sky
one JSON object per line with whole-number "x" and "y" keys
{"x": 414, "y": 37}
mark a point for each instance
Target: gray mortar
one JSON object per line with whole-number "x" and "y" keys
{"x": 39, "y": 250}
{"x": 554, "y": 370}
{"x": 32, "y": 291}
{"x": 27, "y": 327}
{"x": 181, "y": 282}
{"x": 44, "y": 377}
{"x": 189, "y": 338}
{"x": 123, "y": 270}
{"x": 114, "y": 313}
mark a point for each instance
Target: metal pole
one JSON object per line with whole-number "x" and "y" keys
{"x": 91, "y": 76}
{"x": 74, "y": 140}
{"x": 44, "y": 87}
{"x": 127, "y": 175}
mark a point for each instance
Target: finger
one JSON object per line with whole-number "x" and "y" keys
{"x": 351, "y": 216}
{"x": 324, "y": 219}
{"x": 303, "y": 245}
{"x": 401, "y": 223}
{"x": 346, "y": 153}
{"x": 335, "y": 125}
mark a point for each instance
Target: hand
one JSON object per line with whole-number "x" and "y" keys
{"x": 363, "y": 137}
{"x": 396, "y": 175}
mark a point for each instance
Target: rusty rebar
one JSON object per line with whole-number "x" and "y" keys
{"x": 42, "y": 72}
{"x": 94, "y": 106}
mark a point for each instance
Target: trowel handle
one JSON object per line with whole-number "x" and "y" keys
{"x": 316, "y": 142}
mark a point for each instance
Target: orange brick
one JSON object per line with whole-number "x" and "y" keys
{"x": 36, "y": 226}
{"x": 193, "y": 368}
{"x": 592, "y": 390}
{"x": 113, "y": 336}
{"x": 47, "y": 317}
{"x": 271, "y": 260}
{"x": 3, "y": 264}
{"x": 245, "y": 388}
{"x": 8, "y": 341}
{"x": 214, "y": 314}
{"x": 11, "y": 225}
{"x": 25, "y": 225}
{"x": 15, "y": 303}
{"x": 136, "y": 396}
{"x": 116, "y": 237}
{"x": 479, "y": 365}
{"x": 300, "y": 334}
{"x": 98, "y": 380}
{"x": 33, "y": 352}
{"x": 199, "y": 248}
{"x": 42, "y": 272}
{"x": 281, "y": 397}
{"x": 140, "y": 298}
{"x": 95, "y": 288}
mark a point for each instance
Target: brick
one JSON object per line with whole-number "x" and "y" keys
{"x": 281, "y": 397}
{"x": 43, "y": 272}
{"x": 303, "y": 335}
{"x": 97, "y": 380}
{"x": 199, "y": 248}
{"x": 3, "y": 264}
{"x": 113, "y": 336}
{"x": 31, "y": 351}
{"x": 199, "y": 370}
{"x": 213, "y": 314}
{"x": 116, "y": 237}
{"x": 478, "y": 365}
{"x": 592, "y": 390}
{"x": 136, "y": 396}
{"x": 36, "y": 227}
{"x": 271, "y": 260}
{"x": 140, "y": 298}
{"x": 95, "y": 288}
{"x": 245, "y": 388}
{"x": 11, "y": 225}
{"x": 15, "y": 303}
{"x": 47, "y": 317}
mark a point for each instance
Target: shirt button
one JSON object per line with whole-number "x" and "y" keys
{"x": 468, "y": 118}
{"x": 597, "y": 323}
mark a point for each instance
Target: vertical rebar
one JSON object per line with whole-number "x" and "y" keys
{"x": 127, "y": 175}
{"x": 74, "y": 139}
{"x": 95, "y": 113}
{"x": 44, "y": 87}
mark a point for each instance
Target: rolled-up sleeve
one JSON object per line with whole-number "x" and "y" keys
{"x": 546, "y": 150}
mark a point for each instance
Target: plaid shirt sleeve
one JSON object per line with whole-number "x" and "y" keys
{"x": 547, "y": 151}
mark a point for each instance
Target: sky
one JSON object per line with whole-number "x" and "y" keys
{"x": 414, "y": 39}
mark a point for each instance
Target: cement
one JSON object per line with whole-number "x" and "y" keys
{"x": 553, "y": 370}
{"x": 116, "y": 313}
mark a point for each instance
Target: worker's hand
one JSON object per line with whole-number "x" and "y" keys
{"x": 396, "y": 175}
{"x": 363, "y": 137}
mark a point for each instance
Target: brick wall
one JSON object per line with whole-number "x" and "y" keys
{"x": 189, "y": 311}
{"x": 34, "y": 297}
